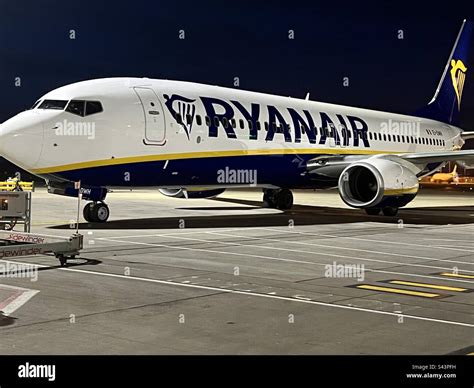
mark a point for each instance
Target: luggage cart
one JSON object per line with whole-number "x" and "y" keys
{"x": 16, "y": 244}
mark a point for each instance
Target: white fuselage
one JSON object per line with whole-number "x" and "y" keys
{"x": 139, "y": 132}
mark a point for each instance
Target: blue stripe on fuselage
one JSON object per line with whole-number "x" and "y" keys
{"x": 279, "y": 170}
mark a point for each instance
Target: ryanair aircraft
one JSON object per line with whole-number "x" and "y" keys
{"x": 193, "y": 141}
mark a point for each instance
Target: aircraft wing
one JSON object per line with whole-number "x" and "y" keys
{"x": 438, "y": 157}
{"x": 467, "y": 135}
{"x": 333, "y": 165}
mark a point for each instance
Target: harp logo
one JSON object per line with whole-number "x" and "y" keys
{"x": 183, "y": 110}
{"x": 458, "y": 76}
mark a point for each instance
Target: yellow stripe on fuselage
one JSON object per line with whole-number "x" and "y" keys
{"x": 204, "y": 154}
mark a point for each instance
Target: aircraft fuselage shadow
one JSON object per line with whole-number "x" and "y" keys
{"x": 298, "y": 215}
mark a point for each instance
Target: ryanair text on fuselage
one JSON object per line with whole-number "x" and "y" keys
{"x": 344, "y": 129}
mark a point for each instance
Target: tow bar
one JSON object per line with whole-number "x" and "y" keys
{"x": 16, "y": 244}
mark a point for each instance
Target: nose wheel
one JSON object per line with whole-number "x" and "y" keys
{"x": 96, "y": 212}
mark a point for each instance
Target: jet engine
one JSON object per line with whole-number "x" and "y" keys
{"x": 378, "y": 183}
{"x": 188, "y": 193}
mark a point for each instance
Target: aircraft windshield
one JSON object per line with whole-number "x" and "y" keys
{"x": 53, "y": 104}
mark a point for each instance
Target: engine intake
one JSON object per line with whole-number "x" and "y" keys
{"x": 378, "y": 182}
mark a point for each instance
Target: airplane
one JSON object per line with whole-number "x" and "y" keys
{"x": 445, "y": 177}
{"x": 192, "y": 140}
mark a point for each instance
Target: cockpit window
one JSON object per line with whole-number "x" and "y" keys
{"x": 76, "y": 107}
{"x": 93, "y": 107}
{"x": 84, "y": 108}
{"x": 53, "y": 104}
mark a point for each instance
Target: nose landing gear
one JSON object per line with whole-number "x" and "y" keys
{"x": 96, "y": 212}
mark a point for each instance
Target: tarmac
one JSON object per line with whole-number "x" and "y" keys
{"x": 226, "y": 276}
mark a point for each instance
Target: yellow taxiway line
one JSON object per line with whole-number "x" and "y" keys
{"x": 398, "y": 291}
{"x": 427, "y": 285}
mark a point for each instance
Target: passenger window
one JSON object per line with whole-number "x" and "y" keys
{"x": 233, "y": 123}
{"x": 178, "y": 118}
{"x": 76, "y": 107}
{"x": 225, "y": 122}
{"x": 93, "y": 107}
{"x": 198, "y": 120}
{"x": 259, "y": 126}
{"x": 250, "y": 124}
{"x": 189, "y": 119}
{"x": 241, "y": 122}
{"x": 208, "y": 121}
{"x": 216, "y": 121}
{"x": 266, "y": 126}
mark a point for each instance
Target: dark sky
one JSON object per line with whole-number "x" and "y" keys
{"x": 245, "y": 39}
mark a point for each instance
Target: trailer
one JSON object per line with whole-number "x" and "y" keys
{"x": 16, "y": 244}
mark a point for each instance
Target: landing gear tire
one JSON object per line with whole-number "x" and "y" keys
{"x": 268, "y": 200}
{"x": 372, "y": 211}
{"x": 390, "y": 211}
{"x": 281, "y": 199}
{"x": 87, "y": 213}
{"x": 284, "y": 199}
{"x": 96, "y": 212}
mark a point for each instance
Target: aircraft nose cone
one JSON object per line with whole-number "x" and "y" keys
{"x": 21, "y": 140}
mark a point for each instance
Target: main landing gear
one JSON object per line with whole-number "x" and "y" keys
{"x": 96, "y": 212}
{"x": 389, "y": 211}
{"x": 278, "y": 198}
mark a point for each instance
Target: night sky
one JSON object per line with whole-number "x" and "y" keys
{"x": 245, "y": 39}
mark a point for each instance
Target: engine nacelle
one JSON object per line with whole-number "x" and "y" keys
{"x": 186, "y": 193}
{"x": 378, "y": 182}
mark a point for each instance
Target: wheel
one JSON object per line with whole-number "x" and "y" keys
{"x": 372, "y": 211}
{"x": 87, "y": 212}
{"x": 390, "y": 211}
{"x": 284, "y": 199}
{"x": 99, "y": 212}
{"x": 268, "y": 199}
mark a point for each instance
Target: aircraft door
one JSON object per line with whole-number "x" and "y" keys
{"x": 155, "y": 130}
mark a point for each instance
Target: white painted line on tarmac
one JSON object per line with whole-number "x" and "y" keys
{"x": 342, "y": 248}
{"x": 363, "y": 239}
{"x": 286, "y": 260}
{"x": 17, "y": 299}
{"x": 300, "y": 251}
{"x": 275, "y": 297}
